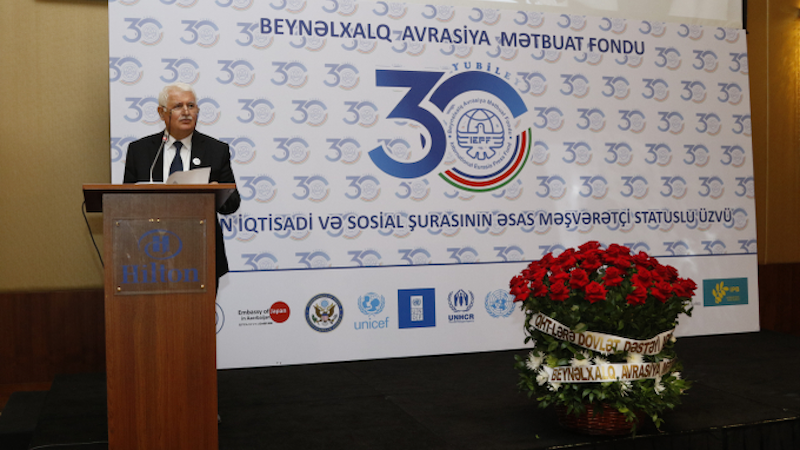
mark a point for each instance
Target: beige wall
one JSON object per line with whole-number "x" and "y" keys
{"x": 774, "y": 34}
{"x": 54, "y": 129}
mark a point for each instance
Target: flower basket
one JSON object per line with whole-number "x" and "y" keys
{"x": 606, "y": 422}
{"x": 602, "y": 322}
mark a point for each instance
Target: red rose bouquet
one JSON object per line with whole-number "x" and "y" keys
{"x": 602, "y": 323}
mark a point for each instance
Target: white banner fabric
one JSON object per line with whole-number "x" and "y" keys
{"x": 399, "y": 163}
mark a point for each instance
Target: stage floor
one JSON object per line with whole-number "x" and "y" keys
{"x": 746, "y": 395}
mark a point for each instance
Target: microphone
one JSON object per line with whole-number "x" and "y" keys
{"x": 164, "y": 140}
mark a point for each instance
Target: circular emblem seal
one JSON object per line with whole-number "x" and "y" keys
{"x": 324, "y": 312}
{"x": 483, "y": 139}
{"x": 499, "y": 303}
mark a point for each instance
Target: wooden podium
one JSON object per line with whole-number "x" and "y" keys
{"x": 160, "y": 289}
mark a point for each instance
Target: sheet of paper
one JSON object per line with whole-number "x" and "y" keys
{"x": 194, "y": 176}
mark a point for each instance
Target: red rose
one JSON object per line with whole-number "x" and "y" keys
{"x": 641, "y": 259}
{"x": 662, "y": 291}
{"x": 519, "y": 288}
{"x": 592, "y": 261}
{"x": 684, "y": 287}
{"x": 642, "y": 277}
{"x": 547, "y": 260}
{"x": 613, "y": 277}
{"x": 568, "y": 262}
{"x": 622, "y": 261}
{"x": 537, "y": 275}
{"x": 595, "y": 292}
{"x": 558, "y": 277}
{"x": 559, "y": 292}
{"x": 638, "y": 296}
{"x": 539, "y": 289}
{"x": 615, "y": 251}
{"x": 673, "y": 274}
{"x": 578, "y": 279}
{"x": 591, "y": 245}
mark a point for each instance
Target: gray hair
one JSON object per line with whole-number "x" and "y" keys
{"x": 164, "y": 94}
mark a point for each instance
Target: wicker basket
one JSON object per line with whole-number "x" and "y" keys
{"x": 608, "y": 422}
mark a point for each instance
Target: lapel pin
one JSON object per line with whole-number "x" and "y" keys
{"x": 196, "y": 161}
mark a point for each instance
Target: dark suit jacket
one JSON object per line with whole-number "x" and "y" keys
{"x": 211, "y": 153}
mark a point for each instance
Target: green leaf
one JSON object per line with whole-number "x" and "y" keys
{"x": 580, "y": 328}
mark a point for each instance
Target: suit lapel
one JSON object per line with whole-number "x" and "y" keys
{"x": 198, "y": 152}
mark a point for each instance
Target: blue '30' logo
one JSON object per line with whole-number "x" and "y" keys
{"x": 421, "y": 84}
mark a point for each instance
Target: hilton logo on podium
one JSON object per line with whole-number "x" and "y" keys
{"x": 158, "y": 260}
{"x": 160, "y": 245}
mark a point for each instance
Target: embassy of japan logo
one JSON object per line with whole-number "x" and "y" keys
{"x": 324, "y": 312}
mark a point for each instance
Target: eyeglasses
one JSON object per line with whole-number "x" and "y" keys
{"x": 191, "y": 107}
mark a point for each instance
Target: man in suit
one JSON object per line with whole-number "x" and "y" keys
{"x": 184, "y": 149}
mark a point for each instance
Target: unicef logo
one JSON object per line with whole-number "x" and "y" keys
{"x": 371, "y": 304}
{"x": 480, "y": 133}
{"x": 499, "y": 304}
{"x": 160, "y": 244}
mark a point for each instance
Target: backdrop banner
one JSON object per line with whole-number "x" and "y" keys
{"x": 399, "y": 163}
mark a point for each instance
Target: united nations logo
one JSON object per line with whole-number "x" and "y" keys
{"x": 324, "y": 312}
{"x": 371, "y": 304}
{"x": 499, "y": 303}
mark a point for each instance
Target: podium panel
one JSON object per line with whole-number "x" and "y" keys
{"x": 159, "y": 311}
{"x": 171, "y": 253}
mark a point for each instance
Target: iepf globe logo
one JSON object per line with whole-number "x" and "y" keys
{"x": 324, "y": 313}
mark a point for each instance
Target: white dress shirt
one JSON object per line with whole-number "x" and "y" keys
{"x": 169, "y": 154}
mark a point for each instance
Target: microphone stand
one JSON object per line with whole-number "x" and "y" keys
{"x": 164, "y": 140}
